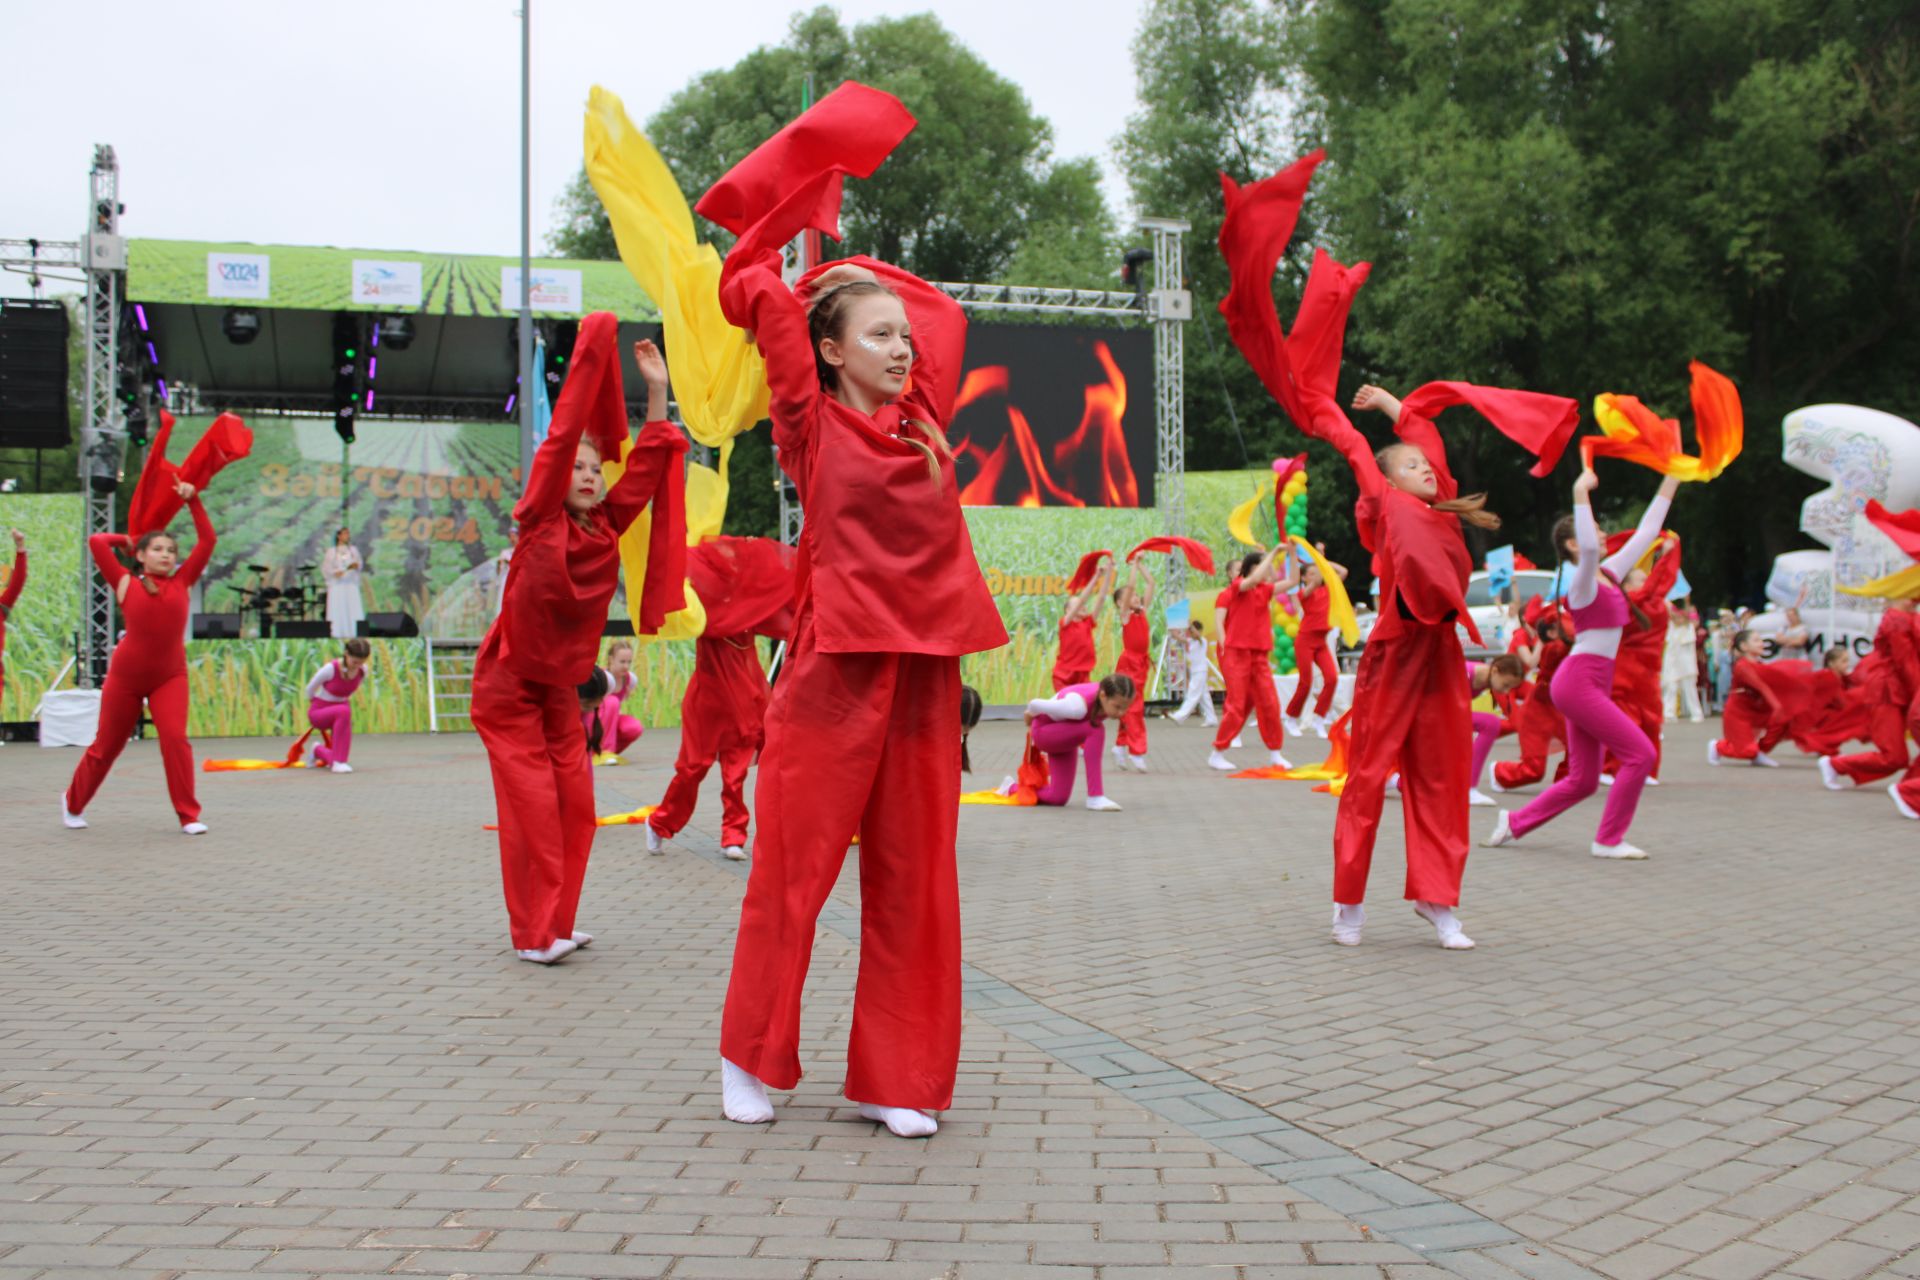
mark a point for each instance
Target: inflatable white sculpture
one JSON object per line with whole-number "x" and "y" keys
{"x": 1864, "y": 454}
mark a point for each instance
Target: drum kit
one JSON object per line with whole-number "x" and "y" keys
{"x": 302, "y": 601}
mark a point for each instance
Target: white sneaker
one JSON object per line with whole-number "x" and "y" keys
{"x": 743, "y": 1099}
{"x": 734, "y": 853}
{"x": 1502, "y": 832}
{"x": 1007, "y": 785}
{"x": 1100, "y": 804}
{"x": 1139, "y": 764}
{"x": 655, "y": 842}
{"x": 901, "y": 1122}
{"x": 1475, "y": 796}
{"x": 1236, "y": 744}
{"x": 1713, "y": 751}
{"x": 1218, "y": 761}
{"x": 340, "y": 766}
{"x": 1652, "y": 781}
{"x": 1445, "y": 924}
{"x": 1393, "y": 784}
{"x": 582, "y": 940}
{"x": 1293, "y": 727}
{"x": 1907, "y": 811}
{"x": 1348, "y": 919}
{"x": 1319, "y": 726}
{"x": 1832, "y": 777}
{"x": 561, "y": 947}
{"x": 1493, "y": 783}
{"x": 71, "y": 821}
{"x": 1765, "y": 761}
{"x": 1621, "y": 850}
{"x": 1119, "y": 753}
{"x": 1278, "y": 761}
{"x": 193, "y": 829}
{"x": 1606, "y": 779}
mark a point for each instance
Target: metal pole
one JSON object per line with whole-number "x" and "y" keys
{"x": 525, "y": 386}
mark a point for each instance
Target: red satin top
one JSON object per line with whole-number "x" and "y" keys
{"x": 154, "y": 648}
{"x": 886, "y": 561}
{"x": 727, "y": 695}
{"x": 1313, "y": 612}
{"x": 1249, "y": 618}
{"x": 564, "y": 574}
{"x": 1136, "y": 638}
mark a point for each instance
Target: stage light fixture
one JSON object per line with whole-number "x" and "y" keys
{"x": 347, "y": 381}
{"x": 241, "y": 325}
{"x": 1132, "y": 271}
{"x": 395, "y": 332}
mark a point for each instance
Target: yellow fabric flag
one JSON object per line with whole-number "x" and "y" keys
{"x": 719, "y": 378}
{"x": 1902, "y": 584}
{"x": 1240, "y": 520}
{"x": 1339, "y": 604}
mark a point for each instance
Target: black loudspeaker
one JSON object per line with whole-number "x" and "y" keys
{"x": 621, "y": 627}
{"x": 302, "y": 629}
{"x": 389, "y": 625}
{"x": 216, "y": 626}
{"x": 33, "y": 374}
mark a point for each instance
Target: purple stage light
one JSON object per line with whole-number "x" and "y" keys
{"x": 369, "y": 397}
{"x": 141, "y": 312}
{"x": 162, "y": 384}
{"x": 376, "y": 334}
{"x": 373, "y": 363}
{"x": 152, "y": 354}
{"x": 512, "y": 397}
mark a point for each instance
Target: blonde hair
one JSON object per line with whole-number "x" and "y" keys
{"x": 1472, "y": 508}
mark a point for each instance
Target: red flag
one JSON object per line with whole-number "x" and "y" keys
{"x": 1084, "y": 573}
{"x": 1199, "y": 555}
{"x": 1539, "y": 423}
{"x": 1903, "y": 528}
{"x": 155, "y": 503}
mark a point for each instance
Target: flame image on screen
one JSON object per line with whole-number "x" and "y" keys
{"x": 1090, "y": 467}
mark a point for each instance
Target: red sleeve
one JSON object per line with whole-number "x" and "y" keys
{"x": 754, "y": 298}
{"x": 1747, "y": 675}
{"x": 654, "y": 474}
{"x": 1665, "y": 572}
{"x": 590, "y": 405}
{"x": 647, "y": 465}
{"x": 204, "y": 541}
{"x": 1541, "y": 424}
{"x": 1424, "y": 576}
{"x": 102, "y": 546}
{"x": 16, "y": 579}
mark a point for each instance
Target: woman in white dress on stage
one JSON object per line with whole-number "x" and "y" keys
{"x": 341, "y": 567}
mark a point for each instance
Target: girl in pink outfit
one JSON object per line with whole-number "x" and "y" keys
{"x": 618, "y": 730}
{"x": 1500, "y": 677}
{"x": 1583, "y": 686}
{"x": 1073, "y": 720}
{"x": 328, "y": 707}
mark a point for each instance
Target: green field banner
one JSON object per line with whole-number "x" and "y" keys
{"x": 316, "y": 278}
{"x": 45, "y": 623}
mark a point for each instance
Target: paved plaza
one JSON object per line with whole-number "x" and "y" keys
{"x": 300, "y": 1046}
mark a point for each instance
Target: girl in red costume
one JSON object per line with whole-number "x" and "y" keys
{"x": 149, "y": 664}
{"x": 1889, "y": 681}
{"x": 566, "y": 565}
{"x": 1136, "y": 643}
{"x": 863, "y": 733}
{"x": 16, "y": 579}
{"x": 1246, "y": 638}
{"x": 1540, "y": 726}
{"x": 1755, "y": 719}
{"x": 1078, "y": 654}
{"x": 746, "y": 586}
{"x": 1311, "y": 652}
{"x": 1409, "y": 681}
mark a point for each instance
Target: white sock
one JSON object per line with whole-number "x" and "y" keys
{"x": 193, "y": 828}
{"x": 72, "y": 821}
{"x": 582, "y": 940}
{"x": 902, "y": 1122}
{"x": 743, "y": 1099}
{"x": 1278, "y": 761}
{"x": 1218, "y": 761}
{"x": 554, "y": 951}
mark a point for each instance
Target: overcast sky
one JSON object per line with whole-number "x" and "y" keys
{"x": 396, "y": 126}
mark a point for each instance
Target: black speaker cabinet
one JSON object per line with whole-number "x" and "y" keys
{"x": 33, "y": 374}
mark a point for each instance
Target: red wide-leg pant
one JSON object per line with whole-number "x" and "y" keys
{"x": 1887, "y": 730}
{"x": 1249, "y": 688}
{"x": 1411, "y": 713}
{"x": 120, "y": 700}
{"x": 697, "y": 756}
{"x": 867, "y": 743}
{"x": 543, "y": 790}
{"x": 1540, "y": 724}
{"x": 1310, "y": 652}
{"x": 1132, "y": 730}
{"x": 1909, "y": 786}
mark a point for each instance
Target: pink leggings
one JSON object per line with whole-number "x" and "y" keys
{"x": 1060, "y": 739}
{"x": 336, "y": 720}
{"x": 1583, "y": 694}
{"x": 1486, "y": 732}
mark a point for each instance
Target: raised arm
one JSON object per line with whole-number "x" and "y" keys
{"x": 1326, "y": 421}
{"x": 659, "y": 446}
{"x": 1097, "y": 592}
{"x": 17, "y": 576}
{"x": 1650, "y": 526}
{"x": 101, "y": 547}
{"x": 757, "y": 300}
{"x": 1414, "y": 429}
{"x": 1585, "y": 583}
{"x": 204, "y": 540}
{"x": 1261, "y": 573}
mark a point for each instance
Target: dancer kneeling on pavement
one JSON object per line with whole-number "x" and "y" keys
{"x": 1073, "y": 721}
{"x": 1583, "y": 686}
{"x": 329, "y": 705}
{"x": 1755, "y": 720}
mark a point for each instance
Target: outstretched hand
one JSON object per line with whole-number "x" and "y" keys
{"x": 844, "y": 273}
{"x": 1585, "y": 484}
{"x": 653, "y": 365}
{"x": 184, "y": 490}
{"x": 1372, "y": 397}
{"x": 19, "y": 541}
